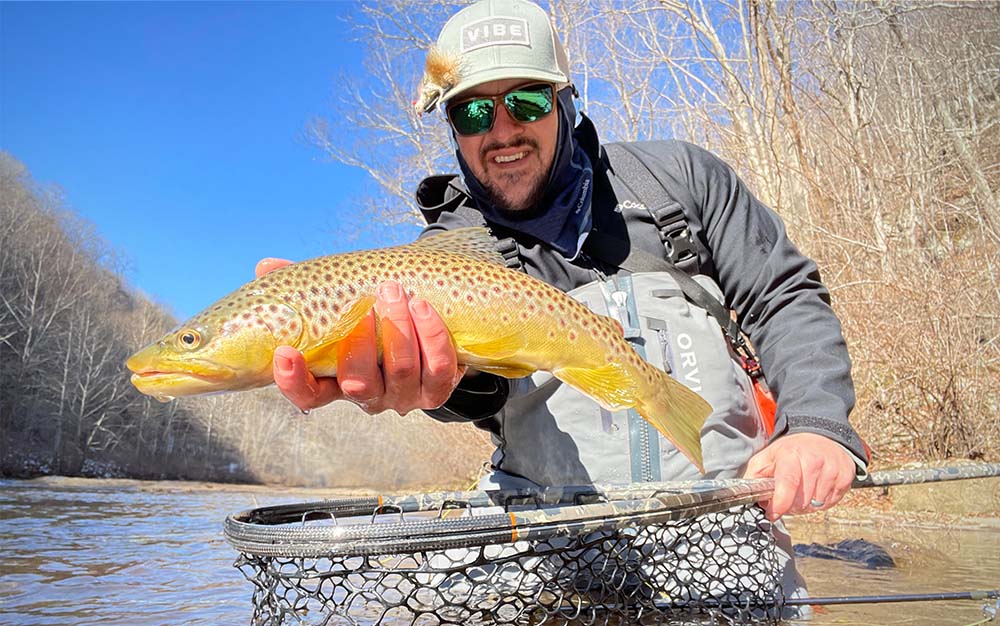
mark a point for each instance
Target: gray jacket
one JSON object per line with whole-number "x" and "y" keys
{"x": 742, "y": 247}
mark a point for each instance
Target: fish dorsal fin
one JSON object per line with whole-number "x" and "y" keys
{"x": 472, "y": 241}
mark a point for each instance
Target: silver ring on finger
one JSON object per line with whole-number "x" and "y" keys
{"x": 817, "y": 504}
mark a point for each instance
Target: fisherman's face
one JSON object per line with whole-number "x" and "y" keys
{"x": 512, "y": 159}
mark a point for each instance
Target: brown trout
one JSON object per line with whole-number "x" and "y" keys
{"x": 501, "y": 321}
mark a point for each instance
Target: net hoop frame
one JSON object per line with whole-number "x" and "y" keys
{"x": 529, "y": 515}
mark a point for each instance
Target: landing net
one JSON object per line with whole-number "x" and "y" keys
{"x": 668, "y": 553}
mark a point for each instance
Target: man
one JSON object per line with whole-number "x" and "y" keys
{"x": 577, "y": 212}
{"x": 534, "y": 175}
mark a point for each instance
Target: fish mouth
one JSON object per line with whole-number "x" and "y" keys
{"x": 163, "y": 375}
{"x": 164, "y": 382}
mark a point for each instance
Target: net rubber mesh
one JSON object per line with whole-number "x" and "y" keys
{"x": 691, "y": 553}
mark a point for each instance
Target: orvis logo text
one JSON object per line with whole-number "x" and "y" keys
{"x": 495, "y": 31}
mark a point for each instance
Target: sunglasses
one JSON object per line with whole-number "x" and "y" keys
{"x": 475, "y": 116}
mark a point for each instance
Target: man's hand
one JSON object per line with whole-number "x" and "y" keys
{"x": 811, "y": 473}
{"x": 419, "y": 370}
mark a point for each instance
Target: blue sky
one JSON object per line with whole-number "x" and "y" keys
{"x": 177, "y": 129}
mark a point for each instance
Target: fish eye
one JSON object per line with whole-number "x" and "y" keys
{"x": 189, "y": 339}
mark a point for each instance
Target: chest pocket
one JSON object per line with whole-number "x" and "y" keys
{"x": 553, "y": 434}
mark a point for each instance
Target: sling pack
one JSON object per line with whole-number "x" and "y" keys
{"x": 681, "y": 261}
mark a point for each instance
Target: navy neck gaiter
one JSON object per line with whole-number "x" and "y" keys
{"x": 562, "y": 217}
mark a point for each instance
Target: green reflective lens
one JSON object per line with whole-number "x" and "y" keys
{"x": 525, "y": 104}
{"x": 473, "y": 117}
{"x": 528, "y": 106}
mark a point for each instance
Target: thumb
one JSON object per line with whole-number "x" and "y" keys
{"x": 269, "y": 265}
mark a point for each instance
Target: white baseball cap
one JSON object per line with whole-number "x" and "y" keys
{"x": 496, "y": 40}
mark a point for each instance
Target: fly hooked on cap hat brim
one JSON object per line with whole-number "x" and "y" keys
{"x": 441, "y": 73}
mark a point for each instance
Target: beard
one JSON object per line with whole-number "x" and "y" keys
{"x": 515, "y": 191}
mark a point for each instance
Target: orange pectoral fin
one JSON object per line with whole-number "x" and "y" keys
{"x": 314, "y": 347}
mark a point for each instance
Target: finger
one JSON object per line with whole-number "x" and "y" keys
{"x": 842, "y": 478}
{"x": 812, "y": 470}
{"x": 296, "y": 383}
{"x": 787, "y": 485}
{"x": 761, "y": 465}
{"x": 826, "y": 489}
{"x": 357, "y": 366}
{"x": 439, "y": 371}
{"x": 269, "y": 265}
{"x": 400, "y": 349}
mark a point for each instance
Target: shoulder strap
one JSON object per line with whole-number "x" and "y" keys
{"x": 662, "y": 204}
{"x": 437, "y": 194}
{"x": 600, "y": 245}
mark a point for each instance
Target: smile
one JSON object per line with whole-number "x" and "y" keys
{"x": 509, "y": 158}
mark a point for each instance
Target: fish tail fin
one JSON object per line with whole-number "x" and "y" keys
{"x": 673, "y": 409}
{"x": 677, "y": 412}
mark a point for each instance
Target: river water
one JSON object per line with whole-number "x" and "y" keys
{"x": 152, "y": 553}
